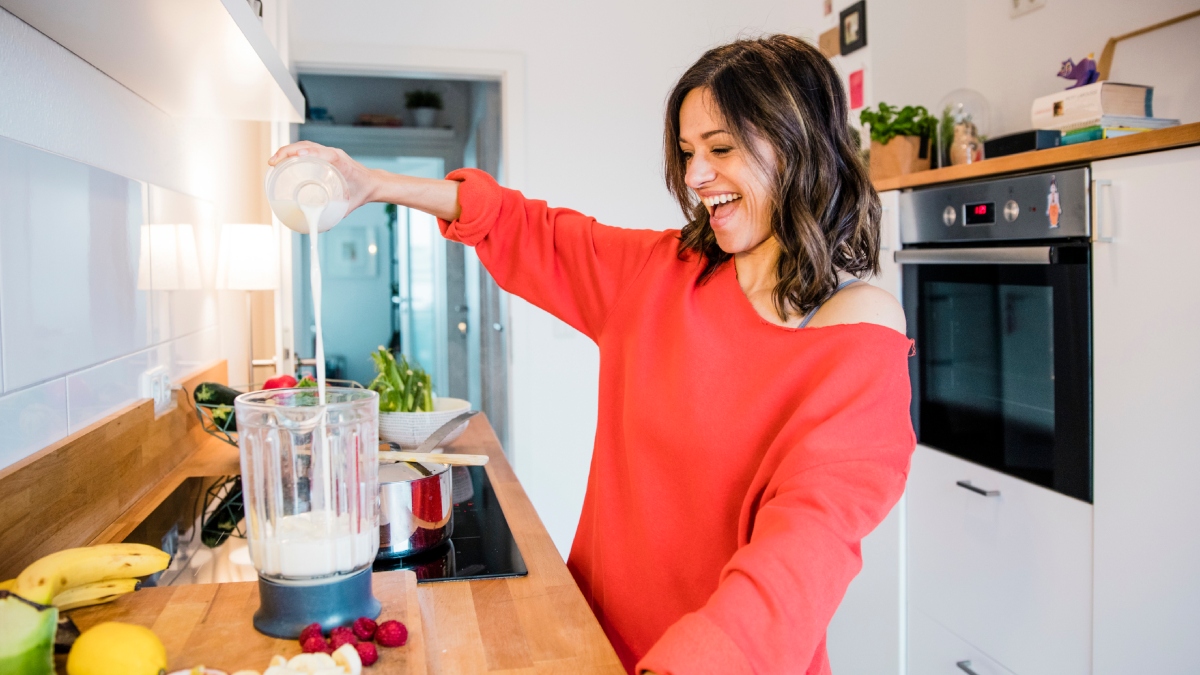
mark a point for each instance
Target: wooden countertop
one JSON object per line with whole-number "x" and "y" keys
{"x": 539, "y": 623}
{"x": 1147, "y": 141}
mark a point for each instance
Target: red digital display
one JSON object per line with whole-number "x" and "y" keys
{"x": 982, "y": 213}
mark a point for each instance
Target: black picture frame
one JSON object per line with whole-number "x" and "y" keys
{"x": 852, "y": 27}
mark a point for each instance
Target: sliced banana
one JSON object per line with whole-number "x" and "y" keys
{"x": 347, "y": 657}
{"x": 277, "y": 660}
{"x": 311, "y": 663}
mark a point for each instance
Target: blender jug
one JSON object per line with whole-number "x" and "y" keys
{"x": 310, "y": 475}
{"x": 305, "y": 183}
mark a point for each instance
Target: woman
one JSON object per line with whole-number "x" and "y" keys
{"x": 753, "y": 422}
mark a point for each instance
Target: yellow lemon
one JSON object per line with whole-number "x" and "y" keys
{"x": 117, "y": 649}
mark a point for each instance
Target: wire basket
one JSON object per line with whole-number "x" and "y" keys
{"x": 218, "y": 420}
{"x": 224, "y": 512}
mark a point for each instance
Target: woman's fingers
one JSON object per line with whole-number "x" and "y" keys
{"x": 303, "y": 148}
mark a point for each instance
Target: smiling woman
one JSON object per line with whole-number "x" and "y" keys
{"x": 753, "y": 419}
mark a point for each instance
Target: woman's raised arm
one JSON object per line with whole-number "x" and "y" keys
{"x": 433, "y": 196}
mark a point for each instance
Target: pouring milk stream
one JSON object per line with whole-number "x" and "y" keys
{"x": 309, "y": 196}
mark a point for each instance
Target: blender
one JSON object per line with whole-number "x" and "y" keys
{"x": 310, "y": 475}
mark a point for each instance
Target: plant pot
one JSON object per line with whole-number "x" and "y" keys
{"x": 899, "y": 156}
{"x": 425, "y": 117}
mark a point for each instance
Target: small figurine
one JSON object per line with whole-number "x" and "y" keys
{"x": 966, "y": 146}
{"x": 1083, "y": 72}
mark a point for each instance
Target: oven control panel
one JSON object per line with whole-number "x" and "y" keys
{"x": 1048, "y": 205}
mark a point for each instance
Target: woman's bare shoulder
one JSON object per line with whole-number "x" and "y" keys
{"x": 861, "y": 303}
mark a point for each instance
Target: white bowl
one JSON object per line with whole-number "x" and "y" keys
{"x": 410, "y": 429}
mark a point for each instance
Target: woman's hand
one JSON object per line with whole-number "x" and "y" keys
{"x": 438, "y": 197}
{"x": 361, "y": 180}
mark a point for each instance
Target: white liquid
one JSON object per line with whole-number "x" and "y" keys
{"x": 312, "y": 544}
{"x": 313, "y": 216}
{"x": 292, "y": 215}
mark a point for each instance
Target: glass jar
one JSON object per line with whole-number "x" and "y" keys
{"x": 310, "y": 475}
{"x": 307, "y": 183}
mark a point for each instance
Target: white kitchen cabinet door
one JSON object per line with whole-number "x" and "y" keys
{"x": 1146, "y": 355}
{"x": 1010, "y": 574}
{"x": 866, "y": 635}
{"x": 934, "y": 650}
{"x": 889, "y": 240}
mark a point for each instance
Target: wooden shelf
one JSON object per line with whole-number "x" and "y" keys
{"x": 389, "y": 141}
{"x": 1147, "y": 141}
{"x": 197, "y": 58}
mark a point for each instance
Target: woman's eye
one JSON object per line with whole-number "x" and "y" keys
{"x": 721, "y": 151}
{"x": 687, "y": 156}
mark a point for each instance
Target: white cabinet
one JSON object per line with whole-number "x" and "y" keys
{"x": 866, "y": 635}
{"x": 1146, "y": 346}
{"x": 934, "y": 650}
{"x": 1009, "y": 573}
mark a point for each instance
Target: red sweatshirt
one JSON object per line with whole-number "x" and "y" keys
{"x": 737, "y": 465}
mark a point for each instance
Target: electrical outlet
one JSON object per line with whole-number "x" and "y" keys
{"x": 156, "y": 384}
{"x": 1020, "y": 7}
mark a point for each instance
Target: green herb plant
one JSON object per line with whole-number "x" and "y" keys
{"x": 889, "y": 122}
{"x": 402, "y": 387}
{"x": 422, "y": 98}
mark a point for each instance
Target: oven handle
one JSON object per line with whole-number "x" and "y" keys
{"x": 1011, "y": 255}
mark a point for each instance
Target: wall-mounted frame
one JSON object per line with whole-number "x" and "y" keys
{"x": 852, "y": 27}
{"x": 351, "y": 252}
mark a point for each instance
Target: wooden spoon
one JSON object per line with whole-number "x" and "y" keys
{"x": 390, "y": 456}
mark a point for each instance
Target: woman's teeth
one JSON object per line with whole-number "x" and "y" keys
{"x": 715, "y": 200}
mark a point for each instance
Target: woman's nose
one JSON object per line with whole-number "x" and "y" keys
{"x": 699, "y": 172}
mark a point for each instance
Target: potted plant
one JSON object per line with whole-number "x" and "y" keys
{"x": 900, "y": 139}
{"x": 425, "y": 105}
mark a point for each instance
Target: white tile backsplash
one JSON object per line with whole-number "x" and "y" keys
{"x": 97, "y": 391}
{"x": 32, "y": 419}
{"x": 101, "y": 279}
{"x": 193, "y": 351}
{"x": 70, "y": 243}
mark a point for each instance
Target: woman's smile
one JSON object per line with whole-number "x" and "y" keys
{"x": 727, "y": 177}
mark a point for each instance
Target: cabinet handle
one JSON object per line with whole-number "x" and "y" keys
{"x": 1102, "y": 196}
{"x": 986, "y": 493}
{"x": 965, "y": 666}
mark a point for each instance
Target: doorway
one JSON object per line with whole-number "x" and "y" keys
{"x": 390, "y": 279}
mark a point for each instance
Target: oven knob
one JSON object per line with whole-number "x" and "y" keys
{"x": 1011, "y": 210}
{"x": 949, "y": 215}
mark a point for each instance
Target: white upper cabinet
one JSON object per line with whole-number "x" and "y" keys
{"x": 1146, "y": 303}
{"x": 189, "y": 58}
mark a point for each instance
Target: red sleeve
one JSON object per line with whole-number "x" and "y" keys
{"x": 838, "y": 472}
{"x": 560, "y": 260}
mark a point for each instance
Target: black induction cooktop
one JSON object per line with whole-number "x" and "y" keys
{"x": 481, "y": 545}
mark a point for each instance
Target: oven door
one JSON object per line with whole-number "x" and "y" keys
{"x": 1003, "y": 367}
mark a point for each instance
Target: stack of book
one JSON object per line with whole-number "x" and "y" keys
{"x": 1099, "y": 110}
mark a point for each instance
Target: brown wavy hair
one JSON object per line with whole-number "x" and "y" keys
{"x": 824, "y": 211}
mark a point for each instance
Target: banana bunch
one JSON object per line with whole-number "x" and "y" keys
{"x": 91, "y": 575}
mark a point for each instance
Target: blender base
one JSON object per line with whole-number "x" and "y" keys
{"x": 285, "y": 610}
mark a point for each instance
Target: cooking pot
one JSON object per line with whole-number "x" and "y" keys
{"x": 416, "y": 507}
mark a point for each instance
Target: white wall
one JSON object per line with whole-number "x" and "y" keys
{"x": 81, "y": 320}
{"x": 597, "y": 75}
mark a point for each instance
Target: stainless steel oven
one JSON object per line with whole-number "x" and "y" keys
{"x": 997, "y": 292}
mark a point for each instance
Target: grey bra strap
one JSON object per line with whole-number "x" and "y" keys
{"x": 812, "y": 312}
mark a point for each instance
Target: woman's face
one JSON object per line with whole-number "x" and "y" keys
{"x": 725, "y": 176}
